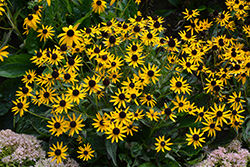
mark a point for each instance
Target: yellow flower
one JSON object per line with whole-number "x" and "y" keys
{"x": 58, "y": 152}
{"x": 98, "y": 6}
{"x": 162, "y": 144}
{"x": 195, "y": 138}
{"x": 70, "y": 36}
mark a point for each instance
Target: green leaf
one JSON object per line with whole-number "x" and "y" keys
{"x": 111, "y": 149}
{"x": 148, "y": 164}
{"x": 16, "y": 65}
{"x": 164, "y": 13}
{"x": 174, "y": 2}
{"x": 83, "y": 18}
{"x": 201, "y": 8}
{"x": 125, "y": 157}
{"x": 136, "y": 149}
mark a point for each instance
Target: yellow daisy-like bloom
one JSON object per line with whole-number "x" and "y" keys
{"x": 91, "y": 84}
{"x": 29, "y": 77}
{"x": 189, "y": 14}
{"x": 120, "y": 98}
{"x": 74, "y": 63}
{"x": 70, "y": 36}
{"x": 63, "y": 104}
{"x": 114, "y": 76}
{"x": 236, "y": 123}
{"x": 76, "y": 93}
{"x": 162, "y": 144}
{"x": 3, "y": 53}
{"x": 168, "y": 112}
{"x": 122, "y": 116}
{"x": 152, "y": 115}
{"x": 38, "y": 59}
{"x": 86, "y": 152}
{"x": 74, "y": 124}
{"x": 149, "y": 99}
{"x": 111, "y": 41}
{"x": 151, "y": 72}
{"x": 21, "y": 105}
{"x": 134, "y": 59}
{"x": 98, "y": 6}
{"x": 31, "y": 21}
{"x": 201, "y": 114}
{"x": 179, "y": 85}
{"x": 57, "y": 125}
{"x": 181, "y": 104}
{"x": 219, "y": 114}
{"x": 149, "y": 38}
{"x": 47, "y": 95}
{"x": 24, "y": 92}
{"x": 236, "y": 100}
{"x": 45, "y": 33}
{"x": 173, "y": 44}
{"x": 211, "y": 126}
{"x": 130, "y": 128}
{"x": 223, "y": 18}
{"x": 100, "y": 123}
{"x": 116, "y": 131}
{"x": 195, "y": 138}
{"x": 58, "y": 152}
{"x": 138, "y": 115}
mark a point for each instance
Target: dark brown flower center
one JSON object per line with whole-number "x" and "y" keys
{"x": 62, "y": 103}
{"x": 116, "y": 131}
{"x": 72, "y": 124}
{"x": 58, "y": 152}
{"x": 70, "y": 33}
{"x": 92, "y": 83}
{"x": 196, "y": 137}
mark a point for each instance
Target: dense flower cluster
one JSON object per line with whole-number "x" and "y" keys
{"x": 19, "y": 148}
{"x": 232, "y": 155}
{"x": 69, "y": 162}
{"x": 129, "y": 63}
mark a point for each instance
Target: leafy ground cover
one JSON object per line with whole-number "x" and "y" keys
{"x": 107, "y": 84}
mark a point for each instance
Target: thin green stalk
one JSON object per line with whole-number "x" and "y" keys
{"x": 245, "y": 94}
{"x": 125, "y": 9}
{"x": 121, "y": 50}
{"x": 38, "y": 116}
{"x": 202, "y": 80}
{"x": 116, "y": 7}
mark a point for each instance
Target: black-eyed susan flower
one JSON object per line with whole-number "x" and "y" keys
{"x": 151, "y": 72}
{"x": 109, "y": 26}
{"x": 45, "y": 33}
{"x": 74, "y": 125}
{"x": 58, "y": 152}
{"x": 86, "y": 152}
{"x": 71, "y": 35}
{"x": 36, "y": 99}
{"x": 47, "y": 95}
{"x": 168, "y": 112}
{"x": 189, "y": 14}
{"x": 58, "y": 125}
{"x": 116, "y": 131}
{"x": 195, "y": 138}
{"x": 172, "y": 44}
{"x": 21, "y": 105}
{"x": 63, "y": 104}
{"x": 211, "y": 127}
{"x": 114, "y": 76}
{"x": 38, "y": 59}
{"x": 162, "y": 144}
{"x": 193, "y": 27}
{"x": 152, "y": 115}
{"x": 223, "y": 18}
{"x": 133, "y": 95}
{"x": 38, "y": 10}
{"x": 134, "y": 59}
{"x": 188, "y": 64}
{"x": 3, "y": 53}
{"x": 236, "y": 123}
{"x": 24, "y": 92}
{"x": 122, "y": 116}
{"x": 148, "y": 99}
{"x": 29, "y": 76}
{"x": 100, "y": 122}
{"x": 130, "y": 85}
{"x": 236, "y": 113}
{"x": 201, "y": 114}
{"x": 73, "y": 64}
{"x": 212, "y": 83}
{"x": 98, "y": 6}
{"x": 181, "y": 104}
{"x": 219, "y": 113}
{"x": 111, "y": 41}
{"x": 137, "y": 20}
{"x": 144, "y": 80}
{"x": 120, "y": 98}
{"x": 179, "y": 85}
{"x": 236, "y": 100}
{"x": 138, "y": 115}
{"x": 115, "y": 63}
{"x": 76, "y": 93}
{"x": 69, "y": 76}
{"x": 149, "y": 38}
{"x": 56, "y": 57}
{"x": 31, "y": 21}
{"x": 92, "y": 84}
{"x": 131, "y": 128}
